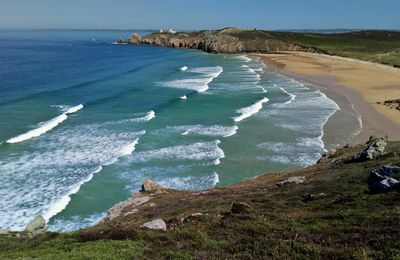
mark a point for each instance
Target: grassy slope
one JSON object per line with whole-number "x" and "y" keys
{"x": 376, "y": 46}
{"x": 347, "y": 223}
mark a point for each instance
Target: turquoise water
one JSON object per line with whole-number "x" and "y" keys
{"x": 84, "y": 121}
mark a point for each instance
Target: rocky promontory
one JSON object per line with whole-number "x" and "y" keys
{"x": 229, "y": 40}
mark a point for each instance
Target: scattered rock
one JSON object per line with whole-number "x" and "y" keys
{"x": 295, "y": 180}
{"x": 239, "y": 207}
{"x": 191, "y": 217}
{"x": 36, "y": 226}
{"x": 381, "y": 180}
{"x": 135, "y": 39}
{"x": 376, "y": 148}
{"x": 310, "y": 197}
{"x": 327, "y": 155}
{"x": 149, "y": 185}
{"x": 157, "y": 224}
{"x": 121, "y": 40}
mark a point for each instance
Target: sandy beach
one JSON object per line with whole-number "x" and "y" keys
{"x": 361, "y": 84}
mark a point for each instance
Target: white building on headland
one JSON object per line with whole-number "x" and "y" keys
{"x": 171, "y": 30}
{"x": 161, "y": 31}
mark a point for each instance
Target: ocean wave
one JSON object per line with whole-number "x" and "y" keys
{"x": 149, "y": 116}
{"x": 183, "y": 68}
{"x": 244, "y": 58}
{"x": 303, "y": 152}
{"x": 76, "y": 222}
{"x": 292, "y": 96}
{"x": 213, "y": 130}
{"x": 199, "y": 84}
{"x": 196, "y": 152}
{"x": 45, "y": 126}
{"x": 247, "y": 112}
{"x": 42, "y": 181}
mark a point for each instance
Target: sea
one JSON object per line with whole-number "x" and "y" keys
{"x": 83, "y": 121}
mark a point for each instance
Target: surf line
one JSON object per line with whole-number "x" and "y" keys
{"x": 46, "y": 126}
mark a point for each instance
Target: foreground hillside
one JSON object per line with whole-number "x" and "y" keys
{"x": 332, "y": 214}
{"x": 375, "y": 46}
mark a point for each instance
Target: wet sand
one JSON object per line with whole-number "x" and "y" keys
{"x": 355, "y": 85}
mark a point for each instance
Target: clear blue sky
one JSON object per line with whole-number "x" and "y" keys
{"x": 200, "y": 14}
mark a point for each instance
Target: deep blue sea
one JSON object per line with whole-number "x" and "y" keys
{"x": 83, "y": 121}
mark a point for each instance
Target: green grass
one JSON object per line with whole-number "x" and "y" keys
{"x": 375, "y": 46}
{"x": 349, "y": 223}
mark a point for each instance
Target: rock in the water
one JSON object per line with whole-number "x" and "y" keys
{"x": 36, "y": 226}
{"x": 239, "y": 207}
{"x": 121, "y": 40}
{"x": 157, "y": 224}
{"x": 294, "y": 180}
{"x": 381, "y": 180}
{"x": 149, "y": 185}
{"x": 310, "y": 197}
{"x": 376, "y": 148}
{"x": 135, "y": 39}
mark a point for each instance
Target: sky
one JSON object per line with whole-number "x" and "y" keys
{"x": 199, "y": 14}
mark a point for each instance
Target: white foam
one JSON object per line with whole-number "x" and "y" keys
{"x": 42, "y": 181}
{"x": 292, "y": 96}
{"x": 184, "y": 97}
{"x": 216, "y": 178}
{"x": 244, "y": 58}
{"x": 183, "y": 68}
{"x": 129, "y": 148}
{"x": 45, "y": 126}
{"x": 200, "y": 84}
{"x": 247, "y": 112}
{"x": 149, "y": 116}
{"x": 213, "y": 130}
{"x": 196, "y": 151}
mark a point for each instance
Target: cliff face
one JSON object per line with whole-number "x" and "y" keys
{"x": 224, "y": 41}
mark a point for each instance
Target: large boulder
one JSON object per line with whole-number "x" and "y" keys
{"x": 149, "y": 185}
{"x": 381, "y": 180}
{"x": 375, "y": 148}
{"x": 36, "y": 226}
{"x": 157, "y": 224}
{"x": 135, "y": 39}
{"x": 294, "y": 180}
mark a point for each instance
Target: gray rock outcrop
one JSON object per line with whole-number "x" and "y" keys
{"x": 36, "y": 226}
{"x": 156, "y": 224}
{"x": 293, "y": 180}
{"x": 376, "y": 148}
{"x": 381, "y": 180}
{"x": 311, "y": 197}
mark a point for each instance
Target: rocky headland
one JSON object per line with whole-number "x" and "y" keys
{"x": 229, "y": 40}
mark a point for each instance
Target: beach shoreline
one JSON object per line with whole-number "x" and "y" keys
{"x": 354, "y": 85}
